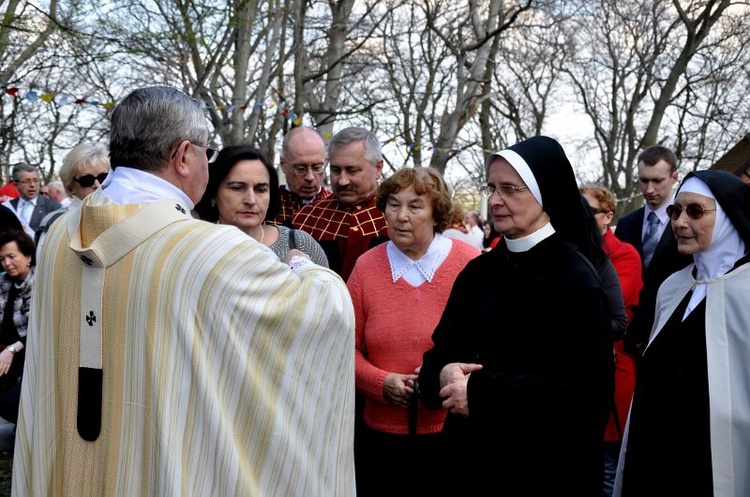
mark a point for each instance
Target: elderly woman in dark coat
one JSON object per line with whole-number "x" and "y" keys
{"x": 689, "y": 426}
{"x": 527, "y": 375}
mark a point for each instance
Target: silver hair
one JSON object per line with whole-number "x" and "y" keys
{"x": 23, "y": 167}
{"x": 78, "y": 157}
{"x": 150, "y": 122}
{"x": 346, "y": 136}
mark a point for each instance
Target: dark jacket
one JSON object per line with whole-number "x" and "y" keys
{"x": 43, "y": 207}
{"x": 538, "y": 322}
{"x": 665, "y": 261}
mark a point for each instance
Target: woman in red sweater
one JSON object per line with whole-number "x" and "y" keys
{"x": 399, "y": 290}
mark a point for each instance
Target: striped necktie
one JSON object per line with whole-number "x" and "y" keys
{"x": 650, "y": 238}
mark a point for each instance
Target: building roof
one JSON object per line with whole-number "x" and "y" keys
{"x": 735, "y": 157}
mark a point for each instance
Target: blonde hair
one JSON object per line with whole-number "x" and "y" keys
{"x": 79, "y": 156}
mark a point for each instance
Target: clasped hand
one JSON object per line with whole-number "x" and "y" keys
{"x": 398, "y": 388}
{"x": 454, "y": 379}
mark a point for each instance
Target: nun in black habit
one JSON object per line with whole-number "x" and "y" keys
{"x": 522, "y": 355}
{"x": 689, "y": 427}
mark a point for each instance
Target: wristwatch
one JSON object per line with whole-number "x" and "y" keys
{"x": 12, "y": 349}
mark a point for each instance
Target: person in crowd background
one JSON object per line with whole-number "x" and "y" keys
{"x": 16, "y": 283}
{"x": 181, "y": 355}
{"x": 491, "y": 236}
{"x": 626, "y": 261}
{"x": 418, "y": 265}
{"x": 528, "y": 373}
{"x": 610, "y": 281}
{"x": 456, "y": 229}
{"x": 348, "y": 224}
{"x": 8, "y": 191}
{"x": 474, "y": 223}
{"x": 657, "y": 176}
{"x": 30, "y": 207}
{"x": 56, "y": 191}
{"x": 303, "y": 162}
{"x": 688, "y": 432}
{"x": 84, "y": 169}
{"x": 243, "y": 191}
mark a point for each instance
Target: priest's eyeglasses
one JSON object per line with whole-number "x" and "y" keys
{"x": 693, "y": 211}
{"x": 502, "y": 190}
{"x": 211, "y": 153}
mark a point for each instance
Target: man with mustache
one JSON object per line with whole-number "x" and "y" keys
{"x": 348, "y": 224}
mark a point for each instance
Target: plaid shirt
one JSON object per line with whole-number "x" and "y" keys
{"x": 291, "y": 203}
{"x": 344, "y": 232}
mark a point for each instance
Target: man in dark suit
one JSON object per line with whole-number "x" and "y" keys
{"x": 30, "y": 207}
{"x": 649, "y": 230}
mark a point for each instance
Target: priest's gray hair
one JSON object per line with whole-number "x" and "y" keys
{"x": 150, "y": 123}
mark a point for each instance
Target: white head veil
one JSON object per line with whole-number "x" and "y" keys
{"x": 725, "y": 249}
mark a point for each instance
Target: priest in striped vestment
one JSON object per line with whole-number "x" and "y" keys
{"x": 168, "y": 356}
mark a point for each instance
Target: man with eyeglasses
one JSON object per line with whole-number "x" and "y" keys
{"x": 30, "y": 206}
{"x": 648, "y": 230}
{"x": 178, "y": 353}
{"x": 303, "y": 162}
{"x": 348, "y": 223}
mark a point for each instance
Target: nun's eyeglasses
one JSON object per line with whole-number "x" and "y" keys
{"x": 502, "y": 190}
{"x": 693, "y": 211}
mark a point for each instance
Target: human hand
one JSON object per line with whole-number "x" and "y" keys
{"x": 454, "y": 380}
{"x": 6, "y": 359}
{"x": 457, "y": 371}
{"x": 398, "y": 388}
{"x": 295, "y": 252}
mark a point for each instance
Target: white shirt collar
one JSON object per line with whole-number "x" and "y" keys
{"x": 417, "y": 272}
{"x": 528, "y": 242}
{"x": 126, "y": 185}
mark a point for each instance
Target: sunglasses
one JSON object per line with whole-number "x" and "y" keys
{"x": 87, "y": 180}
{"x": 596, "y": 210}
{"x": 693, "y": 211}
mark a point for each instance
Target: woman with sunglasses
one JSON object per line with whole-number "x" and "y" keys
{"x": 84, "y": 169}
{"x": 689, "y": 429}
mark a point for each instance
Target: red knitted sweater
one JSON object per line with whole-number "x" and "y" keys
{"x": 394, "y": 325}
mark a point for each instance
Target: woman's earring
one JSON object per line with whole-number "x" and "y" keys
{"x": 213, "y": 203}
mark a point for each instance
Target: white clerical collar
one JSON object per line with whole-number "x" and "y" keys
{"x": 528, "y": 242}
{"x": 417, "y": 272}
{"x": 126, "y": 185}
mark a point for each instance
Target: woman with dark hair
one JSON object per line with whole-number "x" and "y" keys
{"x": 243, "y": 190}
{"x": 16, "y": 283}
{"x": 689, "y": 429}
{"x": 527, "y": 375}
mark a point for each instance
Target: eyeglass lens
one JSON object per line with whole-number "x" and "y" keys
{"x": 301, "y": 169}
{"x": 87, "y": 180}
{"x": 693, "y": 211}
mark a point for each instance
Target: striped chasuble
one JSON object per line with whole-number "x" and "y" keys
{"x": 223, "y": 373}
